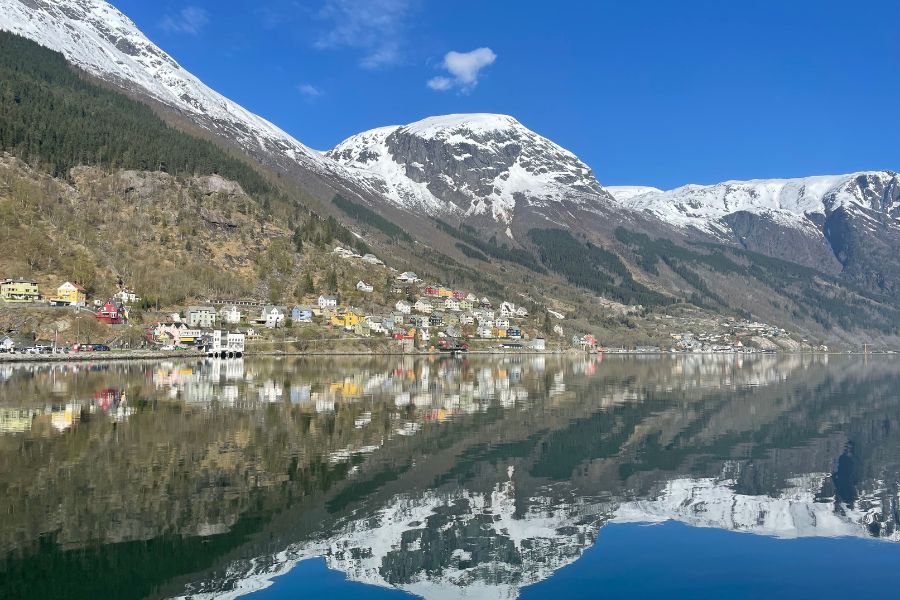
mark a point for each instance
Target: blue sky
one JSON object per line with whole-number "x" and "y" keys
{"x": 656, "y": 93}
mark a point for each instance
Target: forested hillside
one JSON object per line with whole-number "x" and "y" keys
{"x": 55, "y": 120}
{"x": 157, "y": 206}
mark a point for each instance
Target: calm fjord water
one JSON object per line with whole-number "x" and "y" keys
{"x": 531, "y": 476}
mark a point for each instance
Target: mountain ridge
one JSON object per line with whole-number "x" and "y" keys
{"x": 480, "y": 195}
{"x": 471, "y": 165}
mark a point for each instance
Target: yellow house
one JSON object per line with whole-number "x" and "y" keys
{"x": 347, "y": 320}
{"x": 19, "y": 290}
{"x": 499, "y": 333}
{"x": 444, "y": 292}
{"x": 72, "y": 294}
{"x": 347, "y": 389}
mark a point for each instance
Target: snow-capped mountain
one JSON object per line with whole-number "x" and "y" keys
{"x": 838, "y": 223}
{"x": 424, "y": 544}
{"x": 802, "y": 204}
{"x": 464, "y": 544}
{"x": 470, "y": 165}
{"x": 797, "y": 512}
{"x": 98, "y": 38}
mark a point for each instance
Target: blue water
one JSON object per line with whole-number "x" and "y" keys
{"x": 674, "y": 561}
{"x": 677, "y": 561}
{"x": 312, "y": 579}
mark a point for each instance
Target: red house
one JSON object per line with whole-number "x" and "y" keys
{"x": 109, "y": 314}
{"x": 459, "y": 296}
{"x": 431, "y": 291}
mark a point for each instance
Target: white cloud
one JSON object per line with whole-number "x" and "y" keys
{"x": 464, "y": 67}
{"x": 440, "y": 83}
{"x": 190, "y": 20}
{"x": 376, "y": 27}
{"x": 309, "y": 90}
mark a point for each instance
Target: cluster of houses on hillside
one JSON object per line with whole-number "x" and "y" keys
{"x": 422, "y": 313}
{"x": 113, "y": 311}
{"x": 737, "y": 338}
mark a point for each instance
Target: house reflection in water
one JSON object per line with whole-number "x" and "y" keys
{"x": 478, "y": 476}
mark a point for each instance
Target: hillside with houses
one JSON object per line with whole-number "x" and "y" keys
{"x": 391, "y": 312}
{"x": 126, "y": 231}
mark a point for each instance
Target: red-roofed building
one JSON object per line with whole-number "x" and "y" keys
{"x": 109, "y": 314}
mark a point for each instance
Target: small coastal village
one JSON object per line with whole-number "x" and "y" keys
{"x": 414, "y": 316}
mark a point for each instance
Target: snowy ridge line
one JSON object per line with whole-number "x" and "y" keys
{"x": 788, "y": 202}
{"x": 98, "y": 38}
{"x": 795, "y": 513}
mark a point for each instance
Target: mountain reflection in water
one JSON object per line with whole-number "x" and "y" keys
{"x": 438, "y": 476}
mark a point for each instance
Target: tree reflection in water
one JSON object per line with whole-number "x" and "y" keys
{"x": 481, "y": 475}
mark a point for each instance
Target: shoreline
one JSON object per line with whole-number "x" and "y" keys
{"x": 124, "y": 355}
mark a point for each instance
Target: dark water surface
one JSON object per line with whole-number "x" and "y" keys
{"x": 532, "y": 477}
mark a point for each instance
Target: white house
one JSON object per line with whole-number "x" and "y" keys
{"x": 364, "y": 287}
{"x": 466, "y": 319}
{"x": 507, "y": 309}
{"x": 538, "y": 344}
{"x": 272, "y": 316}
{"x": 484, "y": 332}
{"x": 327, "y": 302}
{"x": 376, "y": 324}
{"x": 372, "y": 259}
{"x": 126, "y": 296}
{"x": 521, "y": 312}
{"x": 423, "y": 306}
{"x": 425, "y": 335}
{"x": 451, "y": 304}
{"x": 403, "y": 306}
{"x": 230, "y": 315}
{"x": 558, "y": 330}
{"x": 7, "y": 344}
{"x": 408, "y": 277}
{"x": 501, "y": 323}
{"x": 472, "y": 298}
{"x": 225, "y": 344}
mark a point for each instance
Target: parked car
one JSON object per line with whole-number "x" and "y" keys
{"x": 101, "y": 348}
{"x": 167, "y": 348}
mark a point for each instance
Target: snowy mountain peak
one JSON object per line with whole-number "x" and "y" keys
{"x": 473, "y": 123}
{"x": 469, "y": 165}
{"x": 98, "y": 38}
